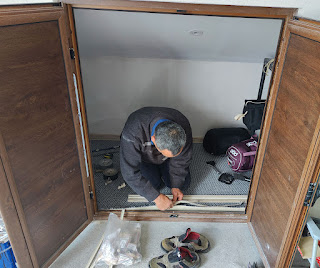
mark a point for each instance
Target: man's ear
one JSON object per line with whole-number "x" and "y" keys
{"x": 153, "y": 139}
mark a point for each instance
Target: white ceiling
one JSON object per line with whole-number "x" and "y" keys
{"x": 149, "y": 35}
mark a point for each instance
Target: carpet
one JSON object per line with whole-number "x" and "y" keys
{"x": 204, "y": 180}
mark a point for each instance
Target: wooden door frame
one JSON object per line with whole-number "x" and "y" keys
{"x": 183, "y": 8}
{"x": 10, "y": 204}
{"x": 192, "y": 9}
{"x": 311, "y": 169}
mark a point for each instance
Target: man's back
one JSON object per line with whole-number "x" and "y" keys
{"x": 136, "y": 147}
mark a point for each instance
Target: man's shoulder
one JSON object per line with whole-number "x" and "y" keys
{"x": 146, "y": 115}
{"x": 154, "y": 111}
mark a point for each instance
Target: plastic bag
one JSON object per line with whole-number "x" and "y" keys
{"x": 120, "y": 245}
{"x": 3, "y": 232}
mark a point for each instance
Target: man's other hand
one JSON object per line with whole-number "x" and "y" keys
{"x": 177, "y": 194}
{"x": 163, "y": 202}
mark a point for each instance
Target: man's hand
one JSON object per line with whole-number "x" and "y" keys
{"x": 177, "y": 194}
{"x": 163, "y": 202}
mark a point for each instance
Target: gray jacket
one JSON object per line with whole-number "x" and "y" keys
{"x": 135, "y": 147}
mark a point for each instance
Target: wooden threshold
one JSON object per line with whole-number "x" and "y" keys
{"x": 176, "y": 216}
{"x": 191, "y": 208}
{"x": 198, "y": 198}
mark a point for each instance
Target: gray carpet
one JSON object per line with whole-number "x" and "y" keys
{"x": 204, "y": 180}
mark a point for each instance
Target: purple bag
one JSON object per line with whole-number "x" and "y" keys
{"x": 241, "y": 155}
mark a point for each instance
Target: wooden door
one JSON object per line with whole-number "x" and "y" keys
{"x": 44, "y": 194}
{"x": 290, "y": 146}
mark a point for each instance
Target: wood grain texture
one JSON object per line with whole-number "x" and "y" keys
{"x": 12, "y": 221}
{"x": 287, "y": 155}
{"x": 166, "y": 7}
{"x": 28, "y": 14}
{"x": 310, "y": 30}
{"x": 299, "y": 216}
{"x": 77, "y": 70}
{"x": 66, "y": 42}
{"x": 39, "y": 141}
{"x": 314, "y": 22}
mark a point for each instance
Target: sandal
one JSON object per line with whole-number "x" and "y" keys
{"x": 191, "y": 240}
{"x": 179, "y": 257}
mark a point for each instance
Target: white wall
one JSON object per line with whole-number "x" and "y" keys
{"x": 210, "y": 94}
{"x": 310, "y": 10}
{"x": 167, "y": 36}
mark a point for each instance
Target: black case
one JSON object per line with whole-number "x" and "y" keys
{"x": 254, "y": 112}
{"x": 253, "y": 109}
{"x": 218, "y": 140}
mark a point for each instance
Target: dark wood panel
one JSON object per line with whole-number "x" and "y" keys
{"x": 9, "y": 211}
{"x": 36, "y": 124}
{"x": 290, "y": 140}
{"x": 14, "y": 15}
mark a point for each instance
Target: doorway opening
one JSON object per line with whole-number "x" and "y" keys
{"x": 203, "y": 66}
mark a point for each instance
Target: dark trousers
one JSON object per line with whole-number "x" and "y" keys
{"x": 159, "y": 174}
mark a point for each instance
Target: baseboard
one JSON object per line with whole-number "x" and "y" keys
{"x": 111, "y": 137}
{"x": 197, "y": 140}
{"x": 104, "y": 137}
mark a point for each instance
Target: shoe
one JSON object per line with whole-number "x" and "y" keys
{"x": 191, "y": 240}
{"x": 179, "y": 257}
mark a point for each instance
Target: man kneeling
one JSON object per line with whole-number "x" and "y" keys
{"x": 156, "y": 148}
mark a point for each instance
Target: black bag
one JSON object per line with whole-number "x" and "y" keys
{"x": 218, "y": 140}
{"x": 253, "y": 109}
{"x": 253, "y": 113}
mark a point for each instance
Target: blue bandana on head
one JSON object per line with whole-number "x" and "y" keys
{"x": 154, "y": 127}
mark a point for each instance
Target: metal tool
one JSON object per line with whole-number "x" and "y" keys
{"x": 106, "y": 151}
{"x": 110, "y": 174}
{"x": 227, "y": 177}
{"x": 104, "y": 164}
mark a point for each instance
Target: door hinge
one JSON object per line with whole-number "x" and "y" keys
{"x": 182, "y": 11}
{"x": 72, "y": 54}
{"x": 91, "y": 194}
{"x": 309, "y": 194}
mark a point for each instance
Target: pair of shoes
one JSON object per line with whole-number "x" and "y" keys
{"x": 182, "y": 251}
{"x": 179, "y": 257}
